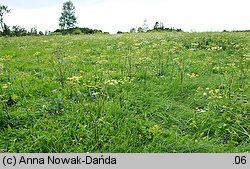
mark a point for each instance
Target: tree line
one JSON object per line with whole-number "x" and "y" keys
{"x": 159, "y": 26}
{"x": 16, "y": 30}
{"x": 67, "y": 24}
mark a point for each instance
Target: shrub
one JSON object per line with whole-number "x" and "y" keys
{"x": 77, "y": 32}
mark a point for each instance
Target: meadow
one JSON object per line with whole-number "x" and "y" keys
{"x": 128, "y": 93}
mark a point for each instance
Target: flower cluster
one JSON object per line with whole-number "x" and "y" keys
{"x": 102, "y": 61}
{"x": 5, "y": 58}
{"x": 154, "y": 129}
{"x": 201, "y": 110}
{"x": 119, "y": 81}
{"x": 143, "y": 59}
{"x": 213, "y": 93}
{"x": 74, "y": 79}
{"x": 6, "y": 85}
{"x": 215, "y": 48}
{"x": 192, "y": 75}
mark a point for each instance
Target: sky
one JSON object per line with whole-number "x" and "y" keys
{"x": 122, "y": 15}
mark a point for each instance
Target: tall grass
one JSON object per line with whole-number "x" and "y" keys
{"x": 154, "y": 92}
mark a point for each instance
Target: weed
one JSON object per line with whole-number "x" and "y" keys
{"x": 59, "y": 67}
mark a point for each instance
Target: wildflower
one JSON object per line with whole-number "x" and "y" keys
{"x": 14, "y": 97}
{"x": 215, "y": 48}
{"x": 37, "y": 53}
{"x": 217, "y": 90}
{"x": 154, "y": 130}
{"x": 201, "y": 110}
{"x": 95, "y": 93}
{"x": 5, "y": 86}
{"x": 193, "y": 75}
{"x": 199, "y": 89}
{"x": 102, "y": 61}
{"x": 112, "y": 82}
{"x": 64, "y": 98}
{"x": 74, "y": 79}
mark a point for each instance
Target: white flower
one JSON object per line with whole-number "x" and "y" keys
{"x": 193, "y": 75}
{"x": 5, "y": 86}
{"x": 217, "y": 90}
{"x": 74, "y": 79}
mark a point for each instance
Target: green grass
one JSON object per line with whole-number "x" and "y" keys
{"x": 154, "y": 92}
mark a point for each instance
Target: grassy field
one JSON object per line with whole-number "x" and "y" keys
{"x": 149, "y": 92}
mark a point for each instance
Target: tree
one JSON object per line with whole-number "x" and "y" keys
{"x": 6, "y": 29}
{"x": 18, "y": 31}
{"x": 133, "y": 30}
{"x": 156, "y": 25}
{"x": 46, "y": 32}
{"x": 159, "y": 26}
{"x": 33, "y": 30}
{"x": 68, "y": 18}
{"x": 41, "y": 33}
{"x": 3, "y": 11}
{"x": 139, "y": 30}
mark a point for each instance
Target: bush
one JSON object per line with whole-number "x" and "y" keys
{"x": 77, "y": 32}
{"x": 41, "y": 33}
{"x": 55, "y": 33}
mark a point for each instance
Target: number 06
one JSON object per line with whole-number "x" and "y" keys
{"x": 240, "y": 160}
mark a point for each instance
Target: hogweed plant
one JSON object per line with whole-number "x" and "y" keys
{"x": 161, "y": 64}
{"x": 181, "y": 70}
{"x": 38, "y": 59}
{"x": 59, "y": 67}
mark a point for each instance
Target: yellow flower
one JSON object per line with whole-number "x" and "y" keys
{"x": 154, "y": 130}
{"x": 14, "y": 96}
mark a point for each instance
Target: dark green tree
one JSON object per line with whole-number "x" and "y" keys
{"x": 41, "y": 33}
{"x": 158, "y": 26}
{"x": 139, "y": 30}
{"x": 3, "y": 11}
{"x": 33, "y": 30}
{"x": 18, "y": 31}
{"x": 68, "y": 18}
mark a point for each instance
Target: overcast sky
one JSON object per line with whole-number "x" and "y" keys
{"x": 122, "y": 15}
